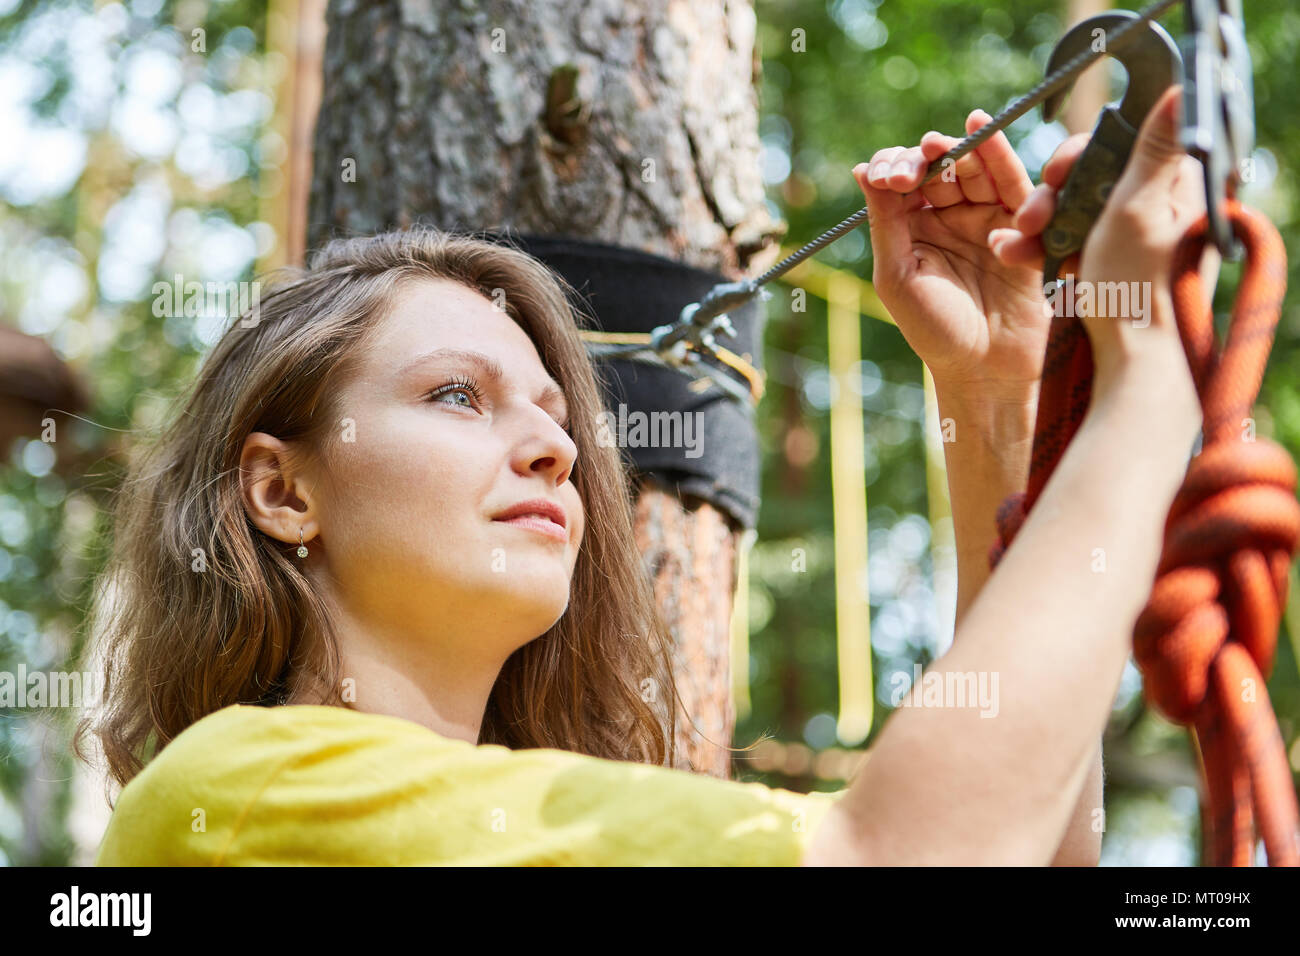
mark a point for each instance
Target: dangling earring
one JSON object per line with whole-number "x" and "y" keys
{"x": 302, "y": 548}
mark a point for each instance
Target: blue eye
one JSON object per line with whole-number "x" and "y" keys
{"x": 464, "y": 387}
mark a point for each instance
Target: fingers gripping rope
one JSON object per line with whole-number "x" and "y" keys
{"x": 1206, "y": 638}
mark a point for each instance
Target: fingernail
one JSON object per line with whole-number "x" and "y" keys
{"x": 857, "y": 169}
{"x": 878, "y": 172}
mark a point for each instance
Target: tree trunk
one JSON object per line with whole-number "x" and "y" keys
{"x": 621, "y": 122}
{"x": 1092, "y": 89}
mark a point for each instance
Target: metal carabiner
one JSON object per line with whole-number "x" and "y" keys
{"x": 1219, "y": 108}
{"x": 1152, "y": 61}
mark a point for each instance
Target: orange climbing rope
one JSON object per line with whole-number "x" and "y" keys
{"x": 1206, "y": 638}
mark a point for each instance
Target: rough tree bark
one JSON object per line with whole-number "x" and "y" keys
{"x": 544, "y": 118}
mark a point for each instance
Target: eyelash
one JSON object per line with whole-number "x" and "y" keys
{"x": 460, "y": 384}
{"x": 472, "y": 387}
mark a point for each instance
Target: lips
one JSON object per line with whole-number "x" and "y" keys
{"x": 539, "y": 515}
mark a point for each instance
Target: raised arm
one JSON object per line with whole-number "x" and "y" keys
{"x": 988, "y": 460}
{"x": 980, "y": 325}
{"x": 947, "y": 785}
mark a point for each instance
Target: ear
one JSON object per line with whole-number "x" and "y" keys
{"x": 277, "y": 497}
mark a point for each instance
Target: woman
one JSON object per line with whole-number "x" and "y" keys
{"x": 417, "y": 414}
{"x": 383, "y": 517}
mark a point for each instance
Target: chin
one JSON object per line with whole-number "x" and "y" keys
{"x": 547, "y": 614}
{"x": 533, "y": 626}
{"x": 540, "y": 601}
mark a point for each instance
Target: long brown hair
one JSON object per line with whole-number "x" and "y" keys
{"x": 198, "y": 609}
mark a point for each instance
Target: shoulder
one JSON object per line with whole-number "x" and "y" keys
{"x": 635, "y": 814}
{"x": 241, "y": 744}
{"x": 325, "y": 785}
{"x": 190, "y": 801}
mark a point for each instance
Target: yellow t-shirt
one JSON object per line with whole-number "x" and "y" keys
{"x": 317, "y": 786}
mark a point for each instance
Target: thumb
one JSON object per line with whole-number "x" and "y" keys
{"x": 1158, "y": 152}
{"x": 891, "y": 235}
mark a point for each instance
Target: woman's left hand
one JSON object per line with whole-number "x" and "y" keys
{"x": 979, "y": 324}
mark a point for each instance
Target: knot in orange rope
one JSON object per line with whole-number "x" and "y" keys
{"x": 1206, "y": 638}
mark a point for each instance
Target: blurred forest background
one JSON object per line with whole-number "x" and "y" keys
{"x": 127, "y": 156}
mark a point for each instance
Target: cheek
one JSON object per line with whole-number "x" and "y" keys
{"x": 400, "y": 473}
{"x": 575, "y": 508}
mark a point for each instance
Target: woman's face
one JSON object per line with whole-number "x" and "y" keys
{"x": 451, "y": 423}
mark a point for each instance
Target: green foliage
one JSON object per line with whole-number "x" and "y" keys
{"x": 94, "y": 235}
{"x": 840, "y": 81}
{"x": 867, "y": 74}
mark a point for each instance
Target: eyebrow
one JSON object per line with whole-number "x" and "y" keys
{"x": 487, "y": 367}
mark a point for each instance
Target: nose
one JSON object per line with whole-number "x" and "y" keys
{"x": 545, "y": 450}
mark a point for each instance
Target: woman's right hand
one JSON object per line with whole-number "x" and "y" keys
{"x": 1159, "y": 195}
